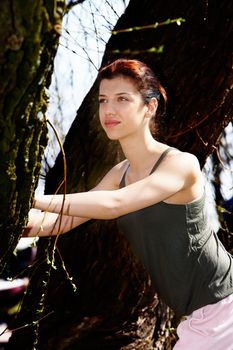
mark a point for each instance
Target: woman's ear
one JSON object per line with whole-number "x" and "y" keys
{"x": 152, "y": 107}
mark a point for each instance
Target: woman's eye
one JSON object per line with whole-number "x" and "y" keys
{"x": 122, "y": 98}
{"x": 102, "y": 100}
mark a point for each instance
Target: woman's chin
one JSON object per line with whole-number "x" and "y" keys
{"x": 112, "y": 136}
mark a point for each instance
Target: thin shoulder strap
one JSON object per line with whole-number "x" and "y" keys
{"x": 122, "y": 182}
{"x": 161, "y": 158}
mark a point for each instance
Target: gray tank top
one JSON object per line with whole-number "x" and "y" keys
{"x": 188, "y": 265}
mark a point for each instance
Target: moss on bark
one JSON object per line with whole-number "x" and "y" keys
{"x": 29, "y": 42}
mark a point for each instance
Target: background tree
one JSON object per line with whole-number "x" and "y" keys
{"x": 114, "y": 306}
{"x": 221, "y": 162}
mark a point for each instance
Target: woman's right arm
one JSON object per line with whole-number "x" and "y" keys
{"x": 50, "y": 224}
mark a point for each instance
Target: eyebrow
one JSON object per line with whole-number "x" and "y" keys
{"x": 118, "y": 93}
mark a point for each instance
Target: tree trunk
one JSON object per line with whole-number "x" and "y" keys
{"x": 115, "y": 306}
{"x": 29, "y": 41}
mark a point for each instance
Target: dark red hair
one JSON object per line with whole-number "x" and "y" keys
{"x": 143, "y": 77}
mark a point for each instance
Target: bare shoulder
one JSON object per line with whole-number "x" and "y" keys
{"x": 183, "y": 168}
{"x": 184, "y": 158}
{"x": 118, "y": 171}
{"x": 121, "y": 167}
{"x": 184, "y": 163}
{"x": 113, "y": 177}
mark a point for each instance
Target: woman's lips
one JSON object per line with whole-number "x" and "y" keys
{"x": 111, "y": 123}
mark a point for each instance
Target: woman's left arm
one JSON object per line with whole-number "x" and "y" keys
{"x": 175, "y": 174}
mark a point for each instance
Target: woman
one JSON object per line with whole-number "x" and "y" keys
{"x": 157, "y": 195}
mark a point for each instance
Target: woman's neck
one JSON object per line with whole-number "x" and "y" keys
{"x": 141, "y": 151}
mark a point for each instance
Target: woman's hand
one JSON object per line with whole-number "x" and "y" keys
{"x": 49, "y": 224}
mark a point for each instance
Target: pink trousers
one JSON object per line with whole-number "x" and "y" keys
{"x": 208, "y": 328}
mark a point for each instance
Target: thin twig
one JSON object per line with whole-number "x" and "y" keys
{"x": 178, "y": 21}
{"x": 7, "y": 330}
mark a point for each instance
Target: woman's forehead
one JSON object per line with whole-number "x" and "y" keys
{"x": 119, "y": 84}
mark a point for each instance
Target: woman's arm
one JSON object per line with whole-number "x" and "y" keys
{"x": 47, "y": 223}
{"x": 179, "y": 172}
{"x": 50, "y": 224}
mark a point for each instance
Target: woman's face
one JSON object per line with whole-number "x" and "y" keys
{"x": 121, "y": 107}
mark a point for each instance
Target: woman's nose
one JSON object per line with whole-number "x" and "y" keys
{"x": 110, "y": 108}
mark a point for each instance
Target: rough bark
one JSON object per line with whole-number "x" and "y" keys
{"x": 115, "y": 306}
{"x": 28, "y": 44}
